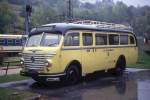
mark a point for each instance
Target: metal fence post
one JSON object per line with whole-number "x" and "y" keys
{"x": 7, "y": 67}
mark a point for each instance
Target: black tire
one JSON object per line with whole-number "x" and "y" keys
{"x": 120, "y": 66}
{"x": 73, "y": 75}
{"x": 38, "y": 79}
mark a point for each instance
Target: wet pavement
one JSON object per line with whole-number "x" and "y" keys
{"x": 133, "y": 85}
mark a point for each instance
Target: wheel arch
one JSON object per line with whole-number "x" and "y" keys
{"x": 74, "y": 62}
{"x": 121, "y": 57}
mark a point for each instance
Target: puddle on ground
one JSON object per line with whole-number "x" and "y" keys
{"x": 101, "y": 86}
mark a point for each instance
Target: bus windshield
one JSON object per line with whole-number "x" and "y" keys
{"x": 44, "y": 39}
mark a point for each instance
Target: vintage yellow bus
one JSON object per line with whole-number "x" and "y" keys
{"x": 68, "y": 51}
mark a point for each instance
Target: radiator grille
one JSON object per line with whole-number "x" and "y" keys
{"x": 34, "y": 61}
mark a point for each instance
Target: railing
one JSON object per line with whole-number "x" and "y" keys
{"x": 105, "y": 25}
{"x": 8, "y": 65}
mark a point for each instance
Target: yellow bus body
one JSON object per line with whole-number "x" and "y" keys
{"x": 91, "y": 58}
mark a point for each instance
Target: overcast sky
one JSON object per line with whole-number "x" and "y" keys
{"x": 128, "y": 2}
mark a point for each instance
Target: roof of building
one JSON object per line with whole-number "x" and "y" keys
{"x": 10, "y": 36}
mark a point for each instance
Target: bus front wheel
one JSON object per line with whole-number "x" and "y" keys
{"x": 73, "y": 75}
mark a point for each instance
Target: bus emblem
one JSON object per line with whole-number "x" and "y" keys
{"x": 32, "y": 59}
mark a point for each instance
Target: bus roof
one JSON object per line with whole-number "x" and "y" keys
{"x": 64, "y": 27}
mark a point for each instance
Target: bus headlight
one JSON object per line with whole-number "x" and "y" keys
{"x": 48, "y": 63}
{"x": 22, "y": 61}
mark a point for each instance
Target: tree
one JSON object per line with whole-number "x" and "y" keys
{"x": 120, "y": 12}
{"x": 43, "y": 15}
{"x": 7, "y": 18}
{"x": 48, "y": 11}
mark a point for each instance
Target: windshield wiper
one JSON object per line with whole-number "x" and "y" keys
{"x": 34, "y": 45}
{"x": 52, "y": 44}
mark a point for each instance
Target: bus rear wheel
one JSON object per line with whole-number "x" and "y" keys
{"x": 73, "y": 75}
{"x": 120, "y": 66}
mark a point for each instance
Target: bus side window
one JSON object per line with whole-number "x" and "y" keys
{"x": 72, "y": 39}
{"x": 101, "y": 39}
{"x": 123, "y": 39}
{"x": 87, "y": 39}
{"x": 132, "y": 41}
{"x": 113, "y": 39}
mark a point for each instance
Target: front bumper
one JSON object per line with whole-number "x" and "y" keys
{"x": 43, "y": 76}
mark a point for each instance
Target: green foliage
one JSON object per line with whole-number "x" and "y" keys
{"x": 107, "y": 10}
{"x": 143, "y": 61}
{"x": 120, "y": 12}
{"x": 43, "y": 15}
{"x": 49, "y": 11}
{"x": 9, "y": 78}
{"x": 17, "y": 2}
{"x": 6, "y": 18}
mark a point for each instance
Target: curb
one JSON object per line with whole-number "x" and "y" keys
{"x": 13, "y": 83}
{"x": 5, "y": 68}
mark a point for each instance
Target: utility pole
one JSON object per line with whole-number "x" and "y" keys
{"x": 69, "y": 10}
{"x": 27, "y": 17}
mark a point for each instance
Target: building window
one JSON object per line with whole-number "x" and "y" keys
{"x": 18, "y": 42}
{"x": 87, "y": 39}
{"x": 123, "y": 39}
{"x": 2, "y": 42}
{"x": 10, "y": 42}
{"x": 101, "y": 39}
{"x": 72, "y": 39}
{"x": 113, "y": 39}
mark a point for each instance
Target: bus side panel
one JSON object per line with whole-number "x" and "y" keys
{"x": 101, "y": 58}
{"x": 124, "y": 51}
{"x": 113, "y": 55}
{"x": 69, "y": 55}
{"x": 130, "y": 53}
{"x": 133, "y": 55}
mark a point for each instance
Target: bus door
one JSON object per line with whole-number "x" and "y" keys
{"x": 112, "y": 50}
{"x": 88, "y": 55}
{"x": 100, "y": 51}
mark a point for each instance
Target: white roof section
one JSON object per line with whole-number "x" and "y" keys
{"x": 10, "y": 36}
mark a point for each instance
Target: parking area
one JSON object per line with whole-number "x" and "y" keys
{"x": 133, "y": 85}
